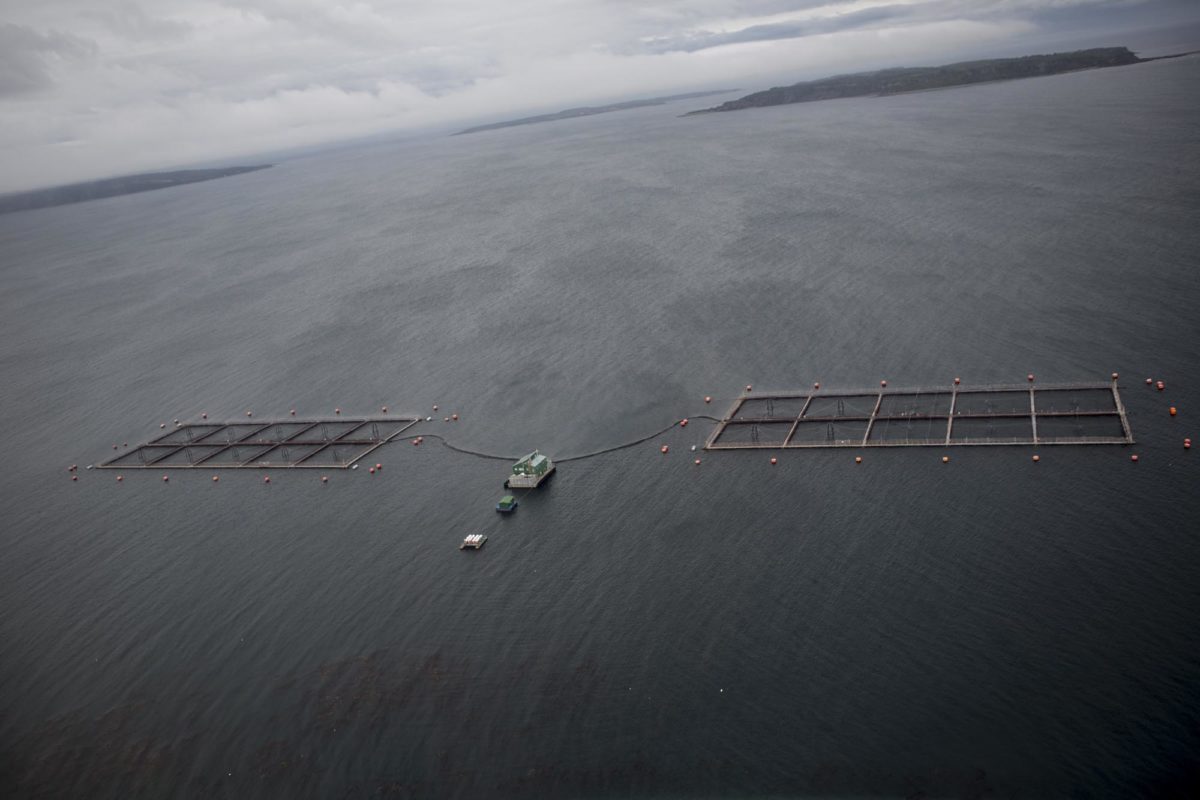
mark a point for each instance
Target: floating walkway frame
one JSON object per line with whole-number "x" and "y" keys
{"x": 335, "y": 443}
{"x": 992, "y": 414}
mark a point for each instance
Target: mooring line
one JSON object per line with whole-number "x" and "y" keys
{"x": 613, "y": 449}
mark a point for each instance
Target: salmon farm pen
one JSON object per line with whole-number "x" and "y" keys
{"x": 992, "y": 414}
{"x": 274, "y": 444}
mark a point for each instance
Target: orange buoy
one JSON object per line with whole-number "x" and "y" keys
{"x": 1029, "y": 376}
{"x": 683, "y": 422}
{"x": 216, "y": 478}
{"x": 707, "y": 399}
{"x": 120, "y": 478}
{"x": 664, "y": 449}
{"x": 957, "y": 381}
{"x": 1173, "y": 411}
{"x": 945, "y": 459}
{"x": 858, "y": 459}
{"x": 774, "y": 461}
{"x": 1133, "y": 457}
{"x": 1036, "y": 458}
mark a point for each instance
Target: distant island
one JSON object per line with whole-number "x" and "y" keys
{"x": 111, "y": 187}
{"x": 915, "y": 79}
{"x": 587, "y": 111}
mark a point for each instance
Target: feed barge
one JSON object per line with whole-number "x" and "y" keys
{"x": 530, "y": 471}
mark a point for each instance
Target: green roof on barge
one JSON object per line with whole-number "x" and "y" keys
{"x": 530, "y": 471}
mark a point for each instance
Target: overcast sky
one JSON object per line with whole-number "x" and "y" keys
{"x": 92, "y": 88}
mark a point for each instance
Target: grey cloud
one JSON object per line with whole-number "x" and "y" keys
{"x": 836, "y": 23}
{"x": 91, "y": 88}
{"x": 130, "y": 22}
{"x": 26, "y": 57}
{"x": 875, "y": 16}
{"x": 318, "y": 19}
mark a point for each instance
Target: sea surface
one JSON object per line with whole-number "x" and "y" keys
{"x": 642, "y": 626}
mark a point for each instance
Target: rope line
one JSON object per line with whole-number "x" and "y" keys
{"x": 613, "y": 449}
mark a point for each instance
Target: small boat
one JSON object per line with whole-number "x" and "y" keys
{"x": 507, "y": 504}
{"x": 473, "y": 542}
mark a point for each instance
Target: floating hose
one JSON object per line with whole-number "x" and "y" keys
{"x": 465, "y": 451}
{"x": 642, "y": 440}
{"x": 613, "y": 449}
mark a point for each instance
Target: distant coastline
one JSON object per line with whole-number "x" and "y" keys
{"x": 587, "y": 111}
{"x": 903, "y": 80}
{"x": 114, "y": 187}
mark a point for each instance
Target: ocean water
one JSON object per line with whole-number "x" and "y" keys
{"x": 642, "y": 627}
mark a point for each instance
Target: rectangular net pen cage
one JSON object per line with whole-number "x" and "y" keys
{"x": 1085, "y": 413}
{"x": 314, "y": 443}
